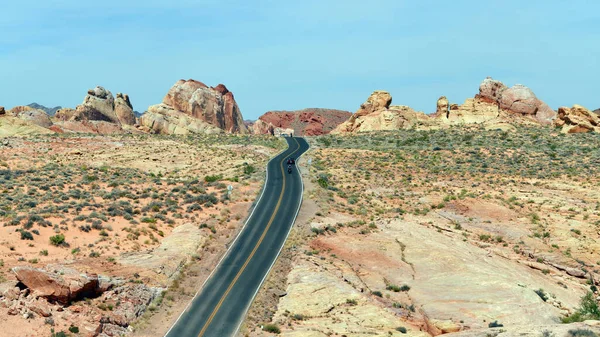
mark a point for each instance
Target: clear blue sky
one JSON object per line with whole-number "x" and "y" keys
{"x": 290, "y": 55}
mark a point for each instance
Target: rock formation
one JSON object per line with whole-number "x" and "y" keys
{"x": 518, "y": 99}
{"x": 306, "y": 122}
{"x": 377, "y": 113}
{"x": 34, "y": 116}
{"x": 577, "y": 119}
{"x": 193, "y": 107}
{"x": 443, "y": 107}
{"x": 100, "y": 105}
{"x": 57, "y": 283}
{"x": 2, "y": 110}
{"x": 124, "y": 109}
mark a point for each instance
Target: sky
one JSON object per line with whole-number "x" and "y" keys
{"x": 288, "y": 55}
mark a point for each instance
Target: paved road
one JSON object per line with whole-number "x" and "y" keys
{"x": 221, "y": 305}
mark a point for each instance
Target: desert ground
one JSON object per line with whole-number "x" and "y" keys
{"x": 138, "y": 210}
{"x": 462, "y": 231}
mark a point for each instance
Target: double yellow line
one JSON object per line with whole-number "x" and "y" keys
{"x": 232, "y": 284}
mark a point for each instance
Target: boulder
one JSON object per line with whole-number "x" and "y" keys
{"x": 577, "y": 120}
{"x": 124, "y": 109}
{"x": 40, "y": 307}
{"x": 57, "y": 283}
{"x": 521, "y": 100}
{"x": 490, "y": 90}
{"x": 518, "y": 99}
{"x": 193, "y": 102}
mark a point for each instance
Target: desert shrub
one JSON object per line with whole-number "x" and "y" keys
{"x": 401, "y": 329}
{"x": 541, "y": 294}
{"x": 271, "y": 328}
{"x": 57, "y": 240}
{"x": 588, "y": 310}
{"x": 25, "y": 235}
{"x": 249, "y": 169}
{"x": 582, "y": 333}
{"x": 213, "y": 178}
{"x": 495, "y": 324}
{"x": 377, "y": 293}
{"x": 351, "y": 301}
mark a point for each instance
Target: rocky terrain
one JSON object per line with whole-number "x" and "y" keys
{"x": 193, "y": 107}
{"x": 105, "y": 235}
{"x": 462, "y": 231}
{"x": 494, "y": 107}
{"x": 306, "y": 122}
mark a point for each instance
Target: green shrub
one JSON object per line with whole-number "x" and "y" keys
{"x": 582, "y": 333}
{"x": 541, "y": 294}
{"x": 377, "y": 293}
{"x": 587, "y": 311}
{"x": 401, "y": 329}
{"x": 74, "y": 329}
{"x": 271, "y": 328}
{"x": 213, "y": 178}
{"x": 25, "y": 235}
{"x": 57, "y": 239}
{"x": 249, "y": 169}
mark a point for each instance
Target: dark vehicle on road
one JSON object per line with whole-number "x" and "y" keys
{"x": 289, "y": 168}
{"x": 291, "y": 161}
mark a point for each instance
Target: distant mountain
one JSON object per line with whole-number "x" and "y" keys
{"x": 597, "y": 111}
{"x": 137, "y": 114}
{"x": 49, "y": 111}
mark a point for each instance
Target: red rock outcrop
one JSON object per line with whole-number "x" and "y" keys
{"x": 213, "y": 106}
{"x": 29, "y": 114}
{"x": 57, "y": 283}
{"x": 306, "y": 122}
{"x": 577, "y": 120}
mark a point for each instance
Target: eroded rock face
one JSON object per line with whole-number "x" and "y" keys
{"x": 307, "y": 122}
{"x": 577, "y": 120}
{"x": 2, "y": 111}
{"x": 491, "y": 90}
{"x": 57, "y": 283}
{"x": 213, "y": 106}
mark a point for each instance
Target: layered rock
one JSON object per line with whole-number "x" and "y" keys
{"x": 193, "y": 107}
{"x": 377, "y": 113}
{"x": 57, "y": 283}
{"x": 577, "y": 120}
{"x": 306, "y": 122}
{"x": 518, "y": 99}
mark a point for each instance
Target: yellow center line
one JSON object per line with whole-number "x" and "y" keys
{"x": 216, "y": 309}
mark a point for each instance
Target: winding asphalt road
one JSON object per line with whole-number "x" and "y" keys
{"x": 220, "y": 306}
